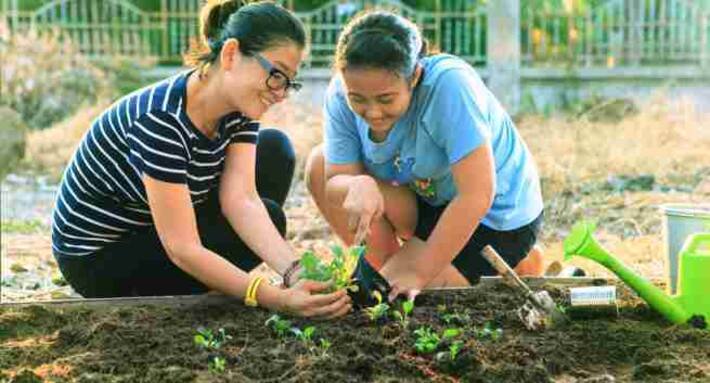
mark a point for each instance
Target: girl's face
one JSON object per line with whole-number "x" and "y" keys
{"x": 379, "y": 96}
{"x": 252, "y": 84}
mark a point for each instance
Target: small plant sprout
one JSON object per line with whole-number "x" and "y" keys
{"x": 427, "y": 340}
{"x": 379, "y": 310}
{"x": 450, "y": 333}
{"x": 205, "y": 338}
{"x": 454, "y": 349}
{"x": 403, "y": 315}
{"x": 489, "y": 331}
{"x": 305, "y": 335}
{"x": 338, "y": 271}
{"x": 280, "y": 326}
{"x": 323, "y": 347}
{"x": 458, "y": 319}
{"x": 216, "y": 364}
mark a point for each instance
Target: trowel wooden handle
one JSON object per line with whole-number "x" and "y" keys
{"x": 503, "y": 268}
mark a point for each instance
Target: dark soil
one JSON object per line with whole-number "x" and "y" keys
{"x": 154, "y": 343}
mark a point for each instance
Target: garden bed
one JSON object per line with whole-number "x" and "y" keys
{"x": 144, "y": 341}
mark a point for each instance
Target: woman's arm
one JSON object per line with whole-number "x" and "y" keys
{"x": 474, "y": 177}
{"x": 176, "y": 225}
{"x": 245, "y": 211}
{"x": 177, "y": 228}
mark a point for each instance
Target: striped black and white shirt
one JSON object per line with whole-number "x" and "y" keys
{"x": 102, "y": 198}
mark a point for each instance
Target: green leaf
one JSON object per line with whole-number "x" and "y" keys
{"x": 451, "y": 333}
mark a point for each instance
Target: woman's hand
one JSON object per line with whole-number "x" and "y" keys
{"x": 303, "y": 299}
{"x": 364, "y": 203}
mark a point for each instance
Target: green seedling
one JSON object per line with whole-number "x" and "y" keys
{"x": 454, "y": 349}
{"x": 427, "y": 340}
{"x": 205, "y": 338}
{"x": 216, "y": 365}
{"x": 455, "y": 318}
{"x": 324, "y": 346}
{"x": 379, "y": 310}
{"x": 338, "y": 271}
{"x": 450, "y": 333}
{"x": 305, "y": 335}
{"x": 403, "y": 315}
{"x": 489, "y": 331}
{"x": 280, "y": 326}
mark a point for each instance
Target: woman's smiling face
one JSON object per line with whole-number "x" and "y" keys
{"x": 379, "y": 96}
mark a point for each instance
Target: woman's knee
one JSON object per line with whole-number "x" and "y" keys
{"x": 277, "y": 145}
{"x": 275, "y": 165}
{"x": 277, "y": 215}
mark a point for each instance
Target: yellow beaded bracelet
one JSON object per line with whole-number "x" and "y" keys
{"x": 250, "y": 297}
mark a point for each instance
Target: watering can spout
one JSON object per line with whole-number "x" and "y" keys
{"x": 581, "y": 242}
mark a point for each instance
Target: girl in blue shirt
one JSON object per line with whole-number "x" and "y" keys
{"x": 421, "y": 162}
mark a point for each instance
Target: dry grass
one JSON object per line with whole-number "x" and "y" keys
{"x": 666, "y": 139}
{"x": 49, "y": 151}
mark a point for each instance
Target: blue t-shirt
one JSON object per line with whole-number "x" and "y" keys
{"x": 451, "y": 114}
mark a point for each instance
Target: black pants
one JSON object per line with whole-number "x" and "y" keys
{"x": 512, "y": 245}
{"x": 138, "y": 264}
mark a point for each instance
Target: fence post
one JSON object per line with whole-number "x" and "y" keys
{"x": 503, "y": 52}
{"x": 704, "y": 32}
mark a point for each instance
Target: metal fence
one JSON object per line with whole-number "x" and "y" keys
{"x": 616, "y": 33}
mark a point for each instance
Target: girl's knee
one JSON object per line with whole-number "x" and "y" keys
{"x": 314, "y": 173}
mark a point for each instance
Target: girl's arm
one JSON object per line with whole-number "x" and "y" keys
{"x": 474, "y": 177}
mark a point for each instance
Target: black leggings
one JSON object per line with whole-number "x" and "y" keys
{"x": 138, "y": 264}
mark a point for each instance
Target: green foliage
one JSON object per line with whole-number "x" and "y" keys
{"x": 489, "y": 331}
{"x": 379, "y": 310}
{"x": 209, "y": 340}
{"x": 216, "y": 365}
{"x": 454, "y": 349}
{"x": 338, "y": 271}
{"x": 427, "y": 340}
{"x": 280, "y": 326}
{"x": 305, "y": 335}
{"x": 23, "y": 226}
{"x": 403, "y": 315}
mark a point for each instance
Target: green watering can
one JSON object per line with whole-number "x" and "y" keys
{"x": 690, "y": 305}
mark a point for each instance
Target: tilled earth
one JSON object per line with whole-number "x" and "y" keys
{"x": 154, "y": 343}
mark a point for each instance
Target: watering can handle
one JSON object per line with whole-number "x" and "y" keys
{"x": 695, "y": 242}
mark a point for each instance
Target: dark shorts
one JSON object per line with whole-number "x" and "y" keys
{"x": 512, "y": 245}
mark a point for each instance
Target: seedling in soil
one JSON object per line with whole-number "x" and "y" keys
{"x": 205, "y": 338}
{"x": 280, "y": 326}
{"x": 456, "y": 318}
{"x": 454, "y": 349}
{"x": 305, "y": 335}
{"x": 403, "y": 316}
{"x": 427, "y": 340}
{"x": 489, "y": 331}
{"x": 338, "y": 271}
{"x": 324, "y": 347}
{"x": 216, "y": 364}
{"x": 378, "y": 311}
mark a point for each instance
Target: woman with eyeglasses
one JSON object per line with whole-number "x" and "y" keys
{"x": 421, "y": 163}
{"x": 175, "y": 189}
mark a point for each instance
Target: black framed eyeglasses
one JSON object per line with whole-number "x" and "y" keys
{"x": 277, "y": 79}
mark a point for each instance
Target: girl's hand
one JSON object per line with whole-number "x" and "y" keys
{"x": 303, "y": 299}
{"x": 407, "y": 286}
{"x": 364, "y": 203}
